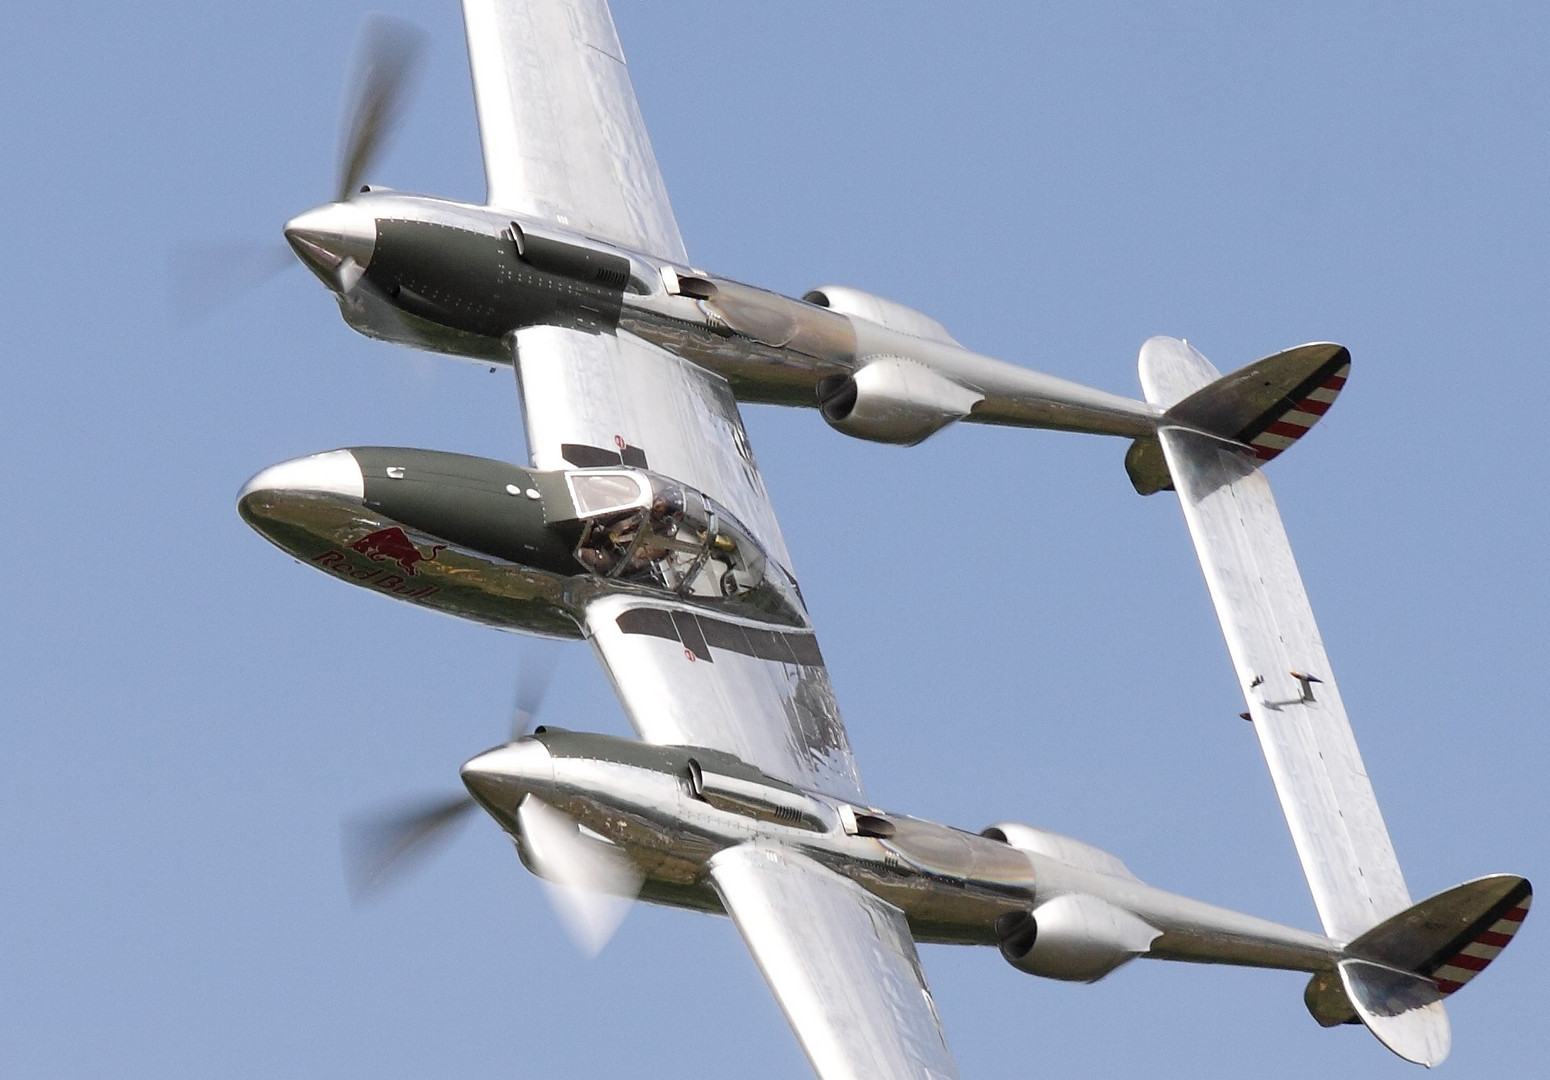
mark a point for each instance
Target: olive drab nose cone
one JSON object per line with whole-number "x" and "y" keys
{"x": 335, "y": 240}
{"x": 503, "y": 776}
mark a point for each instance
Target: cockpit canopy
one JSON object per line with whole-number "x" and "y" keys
{"x": 648, "y": 530}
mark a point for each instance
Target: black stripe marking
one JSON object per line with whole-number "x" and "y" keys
{"x": 762, "y": 643}
{"x": 649, "y": 621}
{"x": 805, "y": 646}
{"x": 689, "y": 633}
{"x": 598, "y": 457}
{"x": 589, "y": 457}
{"x": 1440, "y": 958}
{"x": 700, "y": 633}
{"x": 725, "y": 635}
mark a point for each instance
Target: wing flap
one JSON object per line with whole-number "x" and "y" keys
{"x": 562, "y": 132}
{"x": 760, "y": 693}
{"x": 840, "y": 961}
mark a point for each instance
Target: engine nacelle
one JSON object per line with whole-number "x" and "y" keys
{"x": 894, "y": 316}
{"x": 1075, "y": 937}
{"x": 1062, "y": 849}
{"x": 891, "y": 399}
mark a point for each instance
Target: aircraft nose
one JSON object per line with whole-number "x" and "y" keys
{"x": 335, "y": 240}
{"x": 334, "y": 473}
{"x": 501, "y": 777}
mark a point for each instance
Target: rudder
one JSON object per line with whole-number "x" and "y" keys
{"x": 1397, "y": 974}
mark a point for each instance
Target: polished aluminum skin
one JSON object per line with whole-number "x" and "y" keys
{"x": 819, "y": 886}
{"x": 1279, "y": 657}
{"x": 644, "y": 526}
{"x": 831, "y": 896}
{"x": 1287, "y": 682}
{"x": 769, "y": 347}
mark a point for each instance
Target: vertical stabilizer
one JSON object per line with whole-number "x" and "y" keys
{"x": 1279, "y": 658}
{"x": 1403, "y": 1009}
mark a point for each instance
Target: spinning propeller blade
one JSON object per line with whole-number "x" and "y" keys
{"x": 387, "y": 59}
{"x": 203, "y": 279}
{"x": 533, "y": 680}
{"x": 589, "y": 881}
{"x": 381, "y": 848}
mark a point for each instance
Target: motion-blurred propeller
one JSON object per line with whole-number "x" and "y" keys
{"x": 387, "y": 60}
{"x": 534, "y": 677}
{"x": 380, "y": 849}
{"x": 203, "y": 279}
{"x": 590, "y": 882}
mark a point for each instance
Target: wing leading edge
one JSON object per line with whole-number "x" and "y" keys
{"x": 562, "y": 133}
{"x": 840, "y": 961}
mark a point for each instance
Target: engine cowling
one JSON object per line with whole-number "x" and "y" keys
{"x": 892, "y": 399}
{"x": 1075, "y": 937}
{"x": 1062, "y": 849}
{"x": 893, "y": 315}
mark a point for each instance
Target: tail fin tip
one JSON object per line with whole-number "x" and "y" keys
{"x": 1266, "y": 406}
{"x": 1396, "y": 976}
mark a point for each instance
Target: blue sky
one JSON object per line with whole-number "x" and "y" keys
{"x": 1014, "y": 634}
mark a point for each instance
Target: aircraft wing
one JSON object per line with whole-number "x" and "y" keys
{"x": 840, "y": 961}
{"x": 686, "y": 675}
{"x": 755, "y": 691}
{"x": 563, "y": 136}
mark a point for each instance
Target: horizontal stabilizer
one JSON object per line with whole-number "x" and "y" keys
{"x": 1266, "y": 406}
{"x": 1279, "y": 658}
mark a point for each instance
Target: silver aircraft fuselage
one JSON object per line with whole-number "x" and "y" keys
{"x": 457, "y": 278}
{"x": 671, "y": 809}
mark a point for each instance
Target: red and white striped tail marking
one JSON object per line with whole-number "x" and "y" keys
{"x": 1469, "y": 954}
{"x": 1279, "y": 428}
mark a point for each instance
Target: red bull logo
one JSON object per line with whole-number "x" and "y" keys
{"x": 393, "y": 544}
